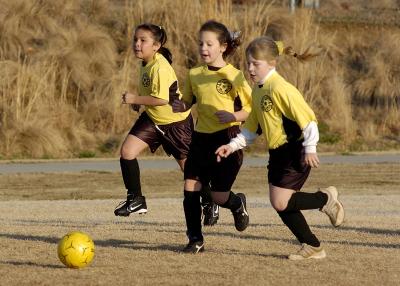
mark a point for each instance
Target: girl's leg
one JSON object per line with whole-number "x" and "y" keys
{"x": 237, "y": 204}
{"x": 222, "y": 179}
{"x": 181, "y": 163}
{"x": 209, "y": 208}
{"x": 192, "y": 209}
{"x": 326, "y": 200}
{"x": 283, "y": 199}
{"x": 288, "y": 204}
{"x": 130, "y": 149}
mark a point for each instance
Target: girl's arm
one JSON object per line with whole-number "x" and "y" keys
{"x": 130, "y": 98}
{"x": 227, "y": 117}
{"x": 187, "y": 100}
{"x": 311, "y": 137}
{"x": 243, "y": 139}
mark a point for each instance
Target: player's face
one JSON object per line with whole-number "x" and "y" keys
{"x": 144, "y": 45}
{"x": 210, "y": 48}
{"x": 258, "y": 69}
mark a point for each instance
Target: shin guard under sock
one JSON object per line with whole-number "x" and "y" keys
{"x": 306, "y": 201}
{"x": 131, "y": 176}
{"x": 233, "y": 203}
{"x": 192, "y": 208}
{"x": 298, "y": 225}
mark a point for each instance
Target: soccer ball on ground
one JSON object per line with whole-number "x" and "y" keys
{"x": 76, "y": 250}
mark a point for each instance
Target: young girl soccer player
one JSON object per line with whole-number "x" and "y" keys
{"x": 158, "y": 124}
{"x": 223, "y": 100}
{"x": 290, "y": 129}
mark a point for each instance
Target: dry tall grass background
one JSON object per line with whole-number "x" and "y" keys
{"x": 64, "y": 64}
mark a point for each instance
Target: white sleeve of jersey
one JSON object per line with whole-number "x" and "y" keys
{"x": 242, "y": 140}
{"x": 311, "y": 137}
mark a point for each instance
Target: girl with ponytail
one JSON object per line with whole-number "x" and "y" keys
{"x": 289, "y": 126}
{"x": 158, "y": 124}
{"x": 223, "y": 100}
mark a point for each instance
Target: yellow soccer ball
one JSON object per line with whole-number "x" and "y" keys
{"x": 76, "y": 249}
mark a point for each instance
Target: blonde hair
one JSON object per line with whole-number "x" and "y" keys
{"x": 265, "y": 48}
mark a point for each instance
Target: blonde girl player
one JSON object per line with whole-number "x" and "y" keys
{"x": 223, "y": 99}
{"x": 290, "y": 129}
{"x": 158, "y": 124}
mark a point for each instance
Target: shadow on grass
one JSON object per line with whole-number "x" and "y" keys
{"x": 29, "y": 263}
{"x": 135, "y": 245}
{"x": 362, "y": 229}
{"x": 368, "y": 230}
{"x": 160, "y": 227}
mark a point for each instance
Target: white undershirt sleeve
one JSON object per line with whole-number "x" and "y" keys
{"x": 311, "y": 137}
{"x": 242, "y": 140}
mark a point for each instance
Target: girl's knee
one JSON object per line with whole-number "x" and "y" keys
{"x": 279, "y": 205}
{"x": 127, "y": 152}
{"x": 220, "y": 198}
{"x": 192, "y": 185}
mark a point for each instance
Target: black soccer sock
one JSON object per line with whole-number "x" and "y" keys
{"x": 205, "y": 194}
{"x": 233, "y": 203}
{"x": 306, "y": 201}
{"x": 298, "y": 225}
{"x": 131, "y": 175}
{"x": 192, "y": 208}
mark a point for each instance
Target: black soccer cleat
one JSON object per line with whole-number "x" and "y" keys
{"x": 241, "y": 216}
{"x": 194, "y": 247}
{"x": 136, "y": 205}
{"x": 210, "y": 214}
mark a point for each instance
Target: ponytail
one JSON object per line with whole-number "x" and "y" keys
{"x": 290, "y": 51}
{"x": 234, "y": 41}
{"x": 166, "y": 54}
{"x": 159, "y": 36}
{"x": 267, "y": 49}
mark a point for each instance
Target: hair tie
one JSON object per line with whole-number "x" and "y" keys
{"x": 234, "y": 34}
{"x": 280, "y": 46}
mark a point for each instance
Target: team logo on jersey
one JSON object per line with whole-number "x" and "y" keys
{"x": 266, "y": 103}
{"x": 224, "y": 86}
{"x": 146, "y": 80}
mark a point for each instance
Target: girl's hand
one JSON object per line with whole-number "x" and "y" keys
{"x": 178, "y": 106}
{"x": 128, "y": 98}
{"x": 225, "y": 116}
{"x": 223, "y": 152}
{"x": 312, "y": 160}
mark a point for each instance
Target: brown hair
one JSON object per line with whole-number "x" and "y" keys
{"x": 265, "y": 48}
{"x": 159, "y": 36}
{"x": 231, "y": 39}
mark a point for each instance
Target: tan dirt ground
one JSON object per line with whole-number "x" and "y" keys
{"x": 38, "y": 209}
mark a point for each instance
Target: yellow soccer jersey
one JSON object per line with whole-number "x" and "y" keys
{"x": 280, "y": 110}
{"x": 213, "y": 90}
{"x": 158, "y": 79}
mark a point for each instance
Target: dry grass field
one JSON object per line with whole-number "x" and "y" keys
{"x": 38, "y": 209}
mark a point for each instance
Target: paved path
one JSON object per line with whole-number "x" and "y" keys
{"x": 112, "y": 165}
